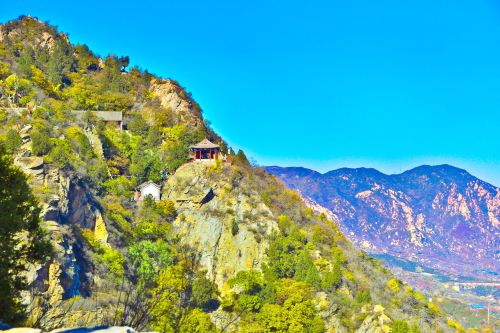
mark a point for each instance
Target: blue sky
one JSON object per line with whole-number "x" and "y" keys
{"x": 388, "y": 84}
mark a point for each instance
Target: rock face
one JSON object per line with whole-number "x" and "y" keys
{"x": 439, "y": 216}
{"x": 66, "y": 202}
{"x": 46, "y": 38}
{"x": 174, "y": 97}
{"x": 377, "y": 322}
{"x": 226, "y": 226}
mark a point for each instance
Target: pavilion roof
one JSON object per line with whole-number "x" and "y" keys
{"x": 205, "y": 143}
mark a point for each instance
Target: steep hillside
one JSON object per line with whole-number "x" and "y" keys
{"x": 227, "y": 248}
{"x": 439, "y": 216}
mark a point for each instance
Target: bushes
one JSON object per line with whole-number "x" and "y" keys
{"x": 13, "y": 141}
{"x": 62, "y": 154}
{"x": 202, "y": 293}
{"x": 306, "y": 271}
{"x": 363, "y": 297}
{"x": 197, "y": 322}
{"x": 394, "y": 285}
{"x": 113, "y": 260}
{"x": 400, "y": 326}
{"x": 294, "y": 311}
{"x": 138, "y": 126}
{"x": 149, "y": 258}
{"x": 332, "y": 280}
{"x": 40, "y": 142}
{"x": 119, "y": 186}
{"x": 18, "y": 91}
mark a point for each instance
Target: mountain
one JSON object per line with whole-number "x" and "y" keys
{"x": 227, "y": 247}
{"x": 439, "y": 216}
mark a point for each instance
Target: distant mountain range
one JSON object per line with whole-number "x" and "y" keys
{"x": 438, "y": 216}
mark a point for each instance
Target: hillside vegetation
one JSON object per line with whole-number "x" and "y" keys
{"x": 253, "y": 258}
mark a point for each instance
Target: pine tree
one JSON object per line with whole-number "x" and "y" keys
{"x": 20, "y": 215}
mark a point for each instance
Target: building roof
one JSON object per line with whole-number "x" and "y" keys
{"x": 149, "y": 182}
{"x": 205, "y": 143}
{"x": 104, "y": 115}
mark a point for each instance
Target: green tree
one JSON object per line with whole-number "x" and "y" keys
{"x": 112, "y": 77}
{"x": 61, "y": 63}
{"x": 283, "y": 254}
{"x": 26, "y": 60}
{"x": 241, "y": 159}
{"x": 234, "y": 227}
{"x": 169, "y": 300}
{"x": 40, "y": 142}
{"x": 154, "y": 137}
{"x": 140, "y": 163}
{"x": 138, "y": 126}
{"x": 18, "y": 91}
{"x": 202, "y": 291}
{"x": 332, "y": 280}
{"x": 62, "y": 155}
{"x": 294, "y": 311}
{"x": 13, "y": 140}
{"x": 306, "y": 271}
{"x": 149, "y": 258}
{"x": 4, "y": 70}
{"x": 20, "y": 215}
{"x": 197, "y": 321}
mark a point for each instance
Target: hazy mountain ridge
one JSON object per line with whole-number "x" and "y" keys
{"x": 441, "y": 216}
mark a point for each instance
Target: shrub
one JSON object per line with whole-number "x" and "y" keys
{"x": 13, "y": 141}
{"x": 149, "y": 258}
{"x": 62, "y": 154}
{"x": 332, "y": 280}
{"x": 202, "y": 291}
{"x": 114, "y": 260}
{"x": 363, "y": 297}
{"x": 453, "y": 324}
{"x": 393, "y": 285}
{"x": 400, "y": 326}
{"x": 40, "y": 142}
{"x": 138, "y": 126}
{"x": 234, "y": 227}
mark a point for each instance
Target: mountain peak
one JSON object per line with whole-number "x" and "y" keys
{"x": 441, "y": 209}
{"x": 440, "y": 168}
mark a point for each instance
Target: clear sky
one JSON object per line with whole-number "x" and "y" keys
{"x": 389, "y": 84}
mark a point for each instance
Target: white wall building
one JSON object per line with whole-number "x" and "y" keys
{"x": 149, "y": 188}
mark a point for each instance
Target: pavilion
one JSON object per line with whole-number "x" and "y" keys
{"x": 205, "y": 151}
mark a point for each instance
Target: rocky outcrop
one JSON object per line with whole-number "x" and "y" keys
{"x": 441, "y": 217}
{"x": 66, "y": 203}
{"x": 173, "y": 97}
{"x": 377, "y": 322}
{"x": 230, "y": 230}
{"x": 46, "y": 38}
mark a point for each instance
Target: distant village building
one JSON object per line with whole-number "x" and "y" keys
{"x": 106, "y": 116}
{"x": 148, "y": 188}
{"x": 205, "y": 151}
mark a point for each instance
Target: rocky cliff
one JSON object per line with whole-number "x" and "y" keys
{"x": 439, "y": 216}
{"x": 226, "y": 223}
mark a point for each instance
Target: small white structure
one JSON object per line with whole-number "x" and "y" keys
{"x": 148, "y": 188}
